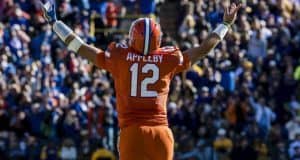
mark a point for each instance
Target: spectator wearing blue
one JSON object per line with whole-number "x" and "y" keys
{"x": 147, "y": 6}
{"x": 294, "y": 148}
{"x": 228, "y": 76}
{"x": 257, "y": 45}
{"x": 264, "y": 116}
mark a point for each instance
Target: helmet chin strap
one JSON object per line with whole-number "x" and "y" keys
{"x": 147, "y": 36}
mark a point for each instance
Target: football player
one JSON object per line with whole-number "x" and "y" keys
{"x": 142, "y": 71}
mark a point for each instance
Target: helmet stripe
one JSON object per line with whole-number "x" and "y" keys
{"x": 150, "y": 34}
{"x": 147, "y": 36}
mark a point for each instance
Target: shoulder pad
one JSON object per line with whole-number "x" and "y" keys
{"x": 169, "y": 49}
{"x": 111, "y": 46}
{"x": 115, "y": 47}
{"x": 110, "y": 49}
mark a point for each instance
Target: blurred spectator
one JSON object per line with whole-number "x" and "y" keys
{"x": 280, "y": 152}
{"x": 111, "y": 15}
{"x": 33, "y": 151}
{"x": 49, "y": 152}
{"x": 263, "y": 115}
{"x": 85, "y": 150}
{"x": 223, "y": 145}
{"x": 257, "y": 45}
{"x": 102, "y": 153}
{"x": 243, "y": 150}
{"x": 202, "y": 150}
{"x": 294, "y": 148}
{"x": 237, "y": 113}
{"x": 293, "y": 127}
{"x": 68, "y": 150}
{"x": 187, "y": 28}
{"x": 147, "y": 6}
{"x": 261, "y": 150}
{"x": 297, "y": 73}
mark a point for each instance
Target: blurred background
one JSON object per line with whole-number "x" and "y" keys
{"x": 240, "y": 102}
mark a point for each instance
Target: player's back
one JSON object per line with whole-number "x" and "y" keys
{"x": 142, "y": 83}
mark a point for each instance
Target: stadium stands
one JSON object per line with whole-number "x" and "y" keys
{"x": 240, "y": 102}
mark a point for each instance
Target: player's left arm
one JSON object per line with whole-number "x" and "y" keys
{"x": 216, "y": 36}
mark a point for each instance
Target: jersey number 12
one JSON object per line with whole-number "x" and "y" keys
{"x": 145, "y": 82}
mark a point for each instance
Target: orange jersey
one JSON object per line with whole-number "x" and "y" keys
{"x": 142, "y": 82}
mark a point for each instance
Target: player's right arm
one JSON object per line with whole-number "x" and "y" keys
{"x": 216, "y": 36}
{"x": 73, "y": 42}
{"x": 86, "y": 51}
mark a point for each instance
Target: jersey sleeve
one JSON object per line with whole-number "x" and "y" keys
{"x": 107, "y": 60}
{"x": 184, "y": 62}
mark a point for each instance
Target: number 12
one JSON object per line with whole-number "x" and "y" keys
{"x": 149, "y": 80}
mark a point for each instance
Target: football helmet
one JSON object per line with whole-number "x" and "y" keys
{"x": 145, "y": 35}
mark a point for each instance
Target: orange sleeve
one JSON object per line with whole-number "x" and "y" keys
{"x": 184, "y": 62}
{"x": 106, "y": 60}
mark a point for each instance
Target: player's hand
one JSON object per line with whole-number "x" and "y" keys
{"x": 49, "y": 12}
{"x": 230, "y": 13}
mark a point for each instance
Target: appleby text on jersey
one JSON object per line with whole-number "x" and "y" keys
{"x": 147, "y": 59}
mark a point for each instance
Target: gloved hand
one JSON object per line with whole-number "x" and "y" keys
{"x": 49, "y": 11}
{"x": 231, "y": 14}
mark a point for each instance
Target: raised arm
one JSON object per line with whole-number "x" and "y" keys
{"x": 216, "y": 36}
{"x": 73, "y": 42}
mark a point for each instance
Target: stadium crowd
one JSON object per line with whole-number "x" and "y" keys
{"x": 241, "y": 102}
